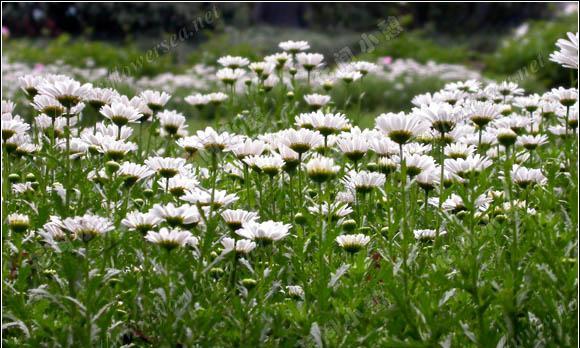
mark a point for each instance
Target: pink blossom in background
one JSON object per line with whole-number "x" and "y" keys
{"x": 38, "y": 67}
{"x": 5, "y": 32}
{"x": 387, "y": 60}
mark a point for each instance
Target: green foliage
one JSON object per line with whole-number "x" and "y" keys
{"x": 526, "y": 58}
{"x": 85, "y": 53}
{"x": 417, "y": 46}
{"x": 255, "y": 42}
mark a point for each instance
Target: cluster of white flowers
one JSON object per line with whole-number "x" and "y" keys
{"x": 207, "y": 187}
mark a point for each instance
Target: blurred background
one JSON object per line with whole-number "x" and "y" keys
{"x": 433, "y": 42}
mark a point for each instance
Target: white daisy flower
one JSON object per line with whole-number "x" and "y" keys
{"x": 247, "y": 147}
{"x": 171, "y": 121}
{"x": 442, "y": 116}
{"x": 155, "y": 100}
{"x": 459, "y": 150}
{"x": 400, "y": 127}
{"x": 116, "y": 149}
{"x": 270, "y": 164}
{"x": 280, "y": 60}
{"x": 449, "y": 97}
{"x": 183, "y": 215}
{"x": 77, "y": 147}
{"x": 13, "y": 127}
{"x": 86, "y": 227}
{"x": 301, "y": 140}
{"x": 454, "y": 203}
{"x": 264, "y": 232}
{"x": 365, "y": 67}
{"x": 172, "y": 238}
{"x": 47, "y": 105}
{"x": 336, "y": 210}
{"x": 549, "y": 108}
{"x": 416, "y": 163}
{"x": 189, "y": 144}
{"x": 383, "y": 146}
{"x": 295, "y": 291}
{"x": 120, "y": 113}
{"x": 178, "y": 184}
{"x": 326, "y": 124}
{"x": 427, "y": 234}
{"x": 321, "y": 169}
{"x": 348, "y": 76}
{"x": 262, "y": 69}
{"x": 505, "y": 136}
{"x": 290, "y": 157}
{"x": 141, "y": 222}
{"x": 352, "y": 243}
{"x": 230, "y": 76}
{"x": 558, "y": 130}
{"x": 30, "y": 84}
{"x": 566, "y": 96}
{"x": 217, "y": 98}
{"x": 241, "y": 247}
{"x": 236, "y": 218}
{"x": 464, "y": 167}
{"x": 99, "y": 97}
{"x": 531, "y": 142}
{"x": 213, "y": 141}
{"x": 197, "y": 99}
{"x": 233, "y": 62}
{"x": 203, "y": 197}
{"x": 141, "y": 105}
{"x": 53, "y": 230}
{"x": 482, "y": 113}
{"x": 7, "y": 107}
{"x": 526, "y": 177}
{"x": 387, "y": 165}
{"x": 22, "y": 187}
{"x": 363, "y": 181}
{"x": 316, "y": 100}
{"x": 429, "y": 179}
{"x": 68, "y": 92}
{"x": 294, "y": 46}
{"x": 507, "y": 88}
{"x": 167, "y": 167}
{"x": 309, "y": 61}
{"x": 353, "y": 146}
{"x": 567, "y": 56}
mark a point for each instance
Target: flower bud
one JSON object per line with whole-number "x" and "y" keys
{"x": 349, "y": 225}
{"x": 300, "y": 219}
{"x": 13, "y": 178}
{"x": 18, "y": 222}
{"x": 216, "y": 272}
{"x": 249, "y": 283}
{"x": 112, "y": 166}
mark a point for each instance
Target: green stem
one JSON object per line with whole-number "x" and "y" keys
{"x": 403, "y": 194}
{"x": 88, "y": 294}
{"x": 67, "y": 154}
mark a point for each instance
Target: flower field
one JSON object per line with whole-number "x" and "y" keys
{"x": 287, "y": 222}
